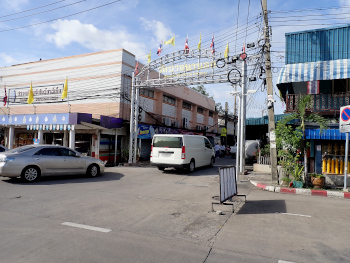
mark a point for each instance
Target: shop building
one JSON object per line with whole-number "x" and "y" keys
{"x": 317, "y": 63}
{"x": 94, "y": 117}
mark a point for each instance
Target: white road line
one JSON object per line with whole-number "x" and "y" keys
{"x": 294, "y": 215}
{"x": 283, "y": 261}
{"x": 104, "y": 230}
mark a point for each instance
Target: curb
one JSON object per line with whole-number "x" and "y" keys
{"x": 299, "y": 191}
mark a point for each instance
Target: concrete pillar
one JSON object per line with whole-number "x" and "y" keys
{"x": 11, "y": 138}
{"x": 115, "y": 147}
{"x": 72, "y": 138}
{"x": 97, "y": 144}
{"x": 41, "y": 136}
{"x": 65, "y": 138}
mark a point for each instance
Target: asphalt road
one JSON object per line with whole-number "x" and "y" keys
{"x": 140, "y": 214}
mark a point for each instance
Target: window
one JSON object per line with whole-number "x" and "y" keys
{"x": 50, "y": 151}
{"x": 147, "y": 92}
{"x": 67, "y": 152}
{"x": 168, "y": 142}
{"x": 186, "y": 105}
{"x": 207, "y": 143}
{"x": 200, "y": 110}
{"x": 169, "y": 99}
{"x": 211, "y": 114}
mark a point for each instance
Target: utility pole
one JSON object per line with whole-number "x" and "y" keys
{"x": 272, "y": 136}
{"x": 226, "y": 120}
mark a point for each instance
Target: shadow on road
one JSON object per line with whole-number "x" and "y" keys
{"x": 67, "y": 179}
{"x": 263, "y": 207}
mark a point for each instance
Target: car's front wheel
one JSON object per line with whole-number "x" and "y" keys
{"x": 30, "y": 174}
{"x": 93, "y": 170}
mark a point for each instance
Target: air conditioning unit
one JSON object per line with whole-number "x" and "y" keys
{"x": 166, "y": 121}
{"x": 185, "y": 123}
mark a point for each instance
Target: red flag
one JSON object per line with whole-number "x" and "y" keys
{"x": 5, "y": 98}
{"x": 136, "y": 68}
{"x": 187, "y": 48}
{"x": 243, "y": 55}
{"x": 159, "y": 51}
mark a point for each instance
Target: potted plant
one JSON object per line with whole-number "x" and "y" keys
{"x": 317, "y": 180}
{"x": 286, "y": 181}
{"x": 297, "y": 175}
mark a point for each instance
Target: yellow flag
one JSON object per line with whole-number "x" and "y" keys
{"x": 170, "y": 41}
{"x": 149, "y": 56}
{"x": 65, "y": 90}
{"x": 226, "y": 52}
{"x": 30, "y": 99}
{"x": 200, "y": 41}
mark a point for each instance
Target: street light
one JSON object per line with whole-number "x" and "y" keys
{"x": 240, "y": 151}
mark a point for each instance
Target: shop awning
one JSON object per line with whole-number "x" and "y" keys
{"x": 320, "y": 70}
{"x": 328, "y": 134}
{"x": 265, "y": 120}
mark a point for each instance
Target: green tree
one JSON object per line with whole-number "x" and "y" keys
{"x": 303, "y": 115}
{"x": 201, "y": 89}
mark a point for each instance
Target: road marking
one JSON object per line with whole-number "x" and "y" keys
{"x": 283, "y": 261}
{"x": 294, "y": 215}
{"x": 104, "y": 230}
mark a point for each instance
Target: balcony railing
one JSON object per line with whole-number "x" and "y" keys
{"x": 326, "y": 104}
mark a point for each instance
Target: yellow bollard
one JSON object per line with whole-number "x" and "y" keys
{"x": 337, "y": 165}
{"x": 341, "y": 170}
{"x": 329, "y": 165}
{"x": 324, "y": 165}
{"x": 333, "y": 166}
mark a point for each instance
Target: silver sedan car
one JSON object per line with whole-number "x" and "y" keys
{"x": 32, "y": 161}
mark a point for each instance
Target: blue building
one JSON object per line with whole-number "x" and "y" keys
{"x": 317, "y": 62}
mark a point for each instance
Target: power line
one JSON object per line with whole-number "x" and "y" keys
{"x": 51, "y": 20}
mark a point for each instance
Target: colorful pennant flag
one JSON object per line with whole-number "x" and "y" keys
{"x": 5, "y": 97}
{"x": 187, "y": 48}
{"x": 149, "y": 56}
{"x": 30, "y": 99}
{"x": 226, "y": 51}
{"x": 212, "y": 45}
{"x": 65, "y": 90}
{"x": 200, "y": 41}
{"x": 136, "y": 68}
{"x": 170, "y": 41}
{"x": 159, "y": 51}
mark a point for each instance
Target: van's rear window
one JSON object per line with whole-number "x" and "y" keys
{"x": 169, "y": 142}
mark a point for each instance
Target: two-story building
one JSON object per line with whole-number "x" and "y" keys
{"x": 94, "y": 117}
{"x": 318, "y": 63}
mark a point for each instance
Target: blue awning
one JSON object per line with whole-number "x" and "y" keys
{"x": 265, "y": 120}
{"x": 320, "y": 70}
{"x": 328, "y": 134}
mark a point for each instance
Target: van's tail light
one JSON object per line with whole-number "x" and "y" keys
{"x": 183, "y": 154}
{"x": 151, "y": 150}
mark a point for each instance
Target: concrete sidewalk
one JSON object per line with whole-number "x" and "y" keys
{"x": 263, "y": 181}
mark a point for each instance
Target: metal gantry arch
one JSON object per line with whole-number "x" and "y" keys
{"x": 180, "y": 68}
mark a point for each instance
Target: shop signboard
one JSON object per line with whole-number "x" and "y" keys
{"x": 344, "y": 119}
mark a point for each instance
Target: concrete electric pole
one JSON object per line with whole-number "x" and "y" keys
{"x": 270, "y": 104}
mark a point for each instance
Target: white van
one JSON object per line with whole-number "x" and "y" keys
{"x": 251, "y": 148}
{"x": 181, "y": 151}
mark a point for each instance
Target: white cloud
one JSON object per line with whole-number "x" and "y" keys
{"x": 73, "y": 31}
{"x": 7, "y": 59}
{"x": 344, "y": 2}
{"x": 159, "y": 30}
{"x": 16, "y": 5}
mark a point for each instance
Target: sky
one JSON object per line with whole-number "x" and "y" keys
{"x": 31, "y": 30}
